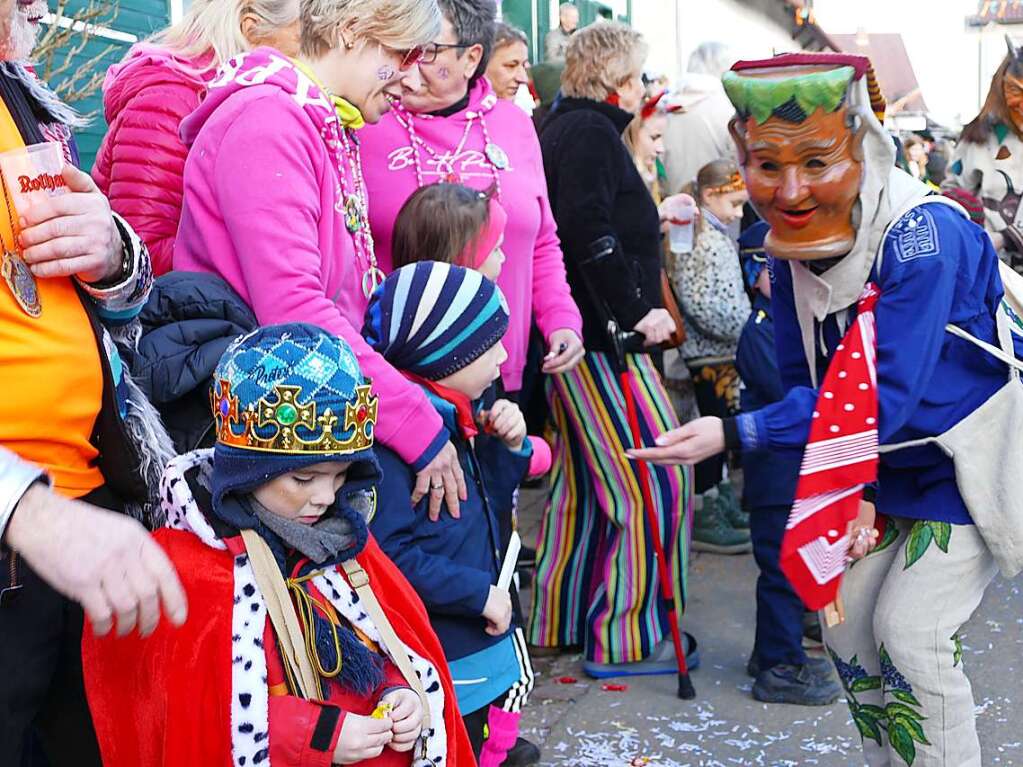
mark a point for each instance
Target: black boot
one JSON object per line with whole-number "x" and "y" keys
{"x": 522, "y": 754}
{"x": 822, "y": 667}
{"x": 797, "y": 685}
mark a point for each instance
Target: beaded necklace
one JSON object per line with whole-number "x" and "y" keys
{"x": 356, "y": 209}
{"x": 496, "y": 157}
{"x": 338, "y": 133}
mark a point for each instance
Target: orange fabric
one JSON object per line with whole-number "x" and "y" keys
{"x": 52, "y": 375}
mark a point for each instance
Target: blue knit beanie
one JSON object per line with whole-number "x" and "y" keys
{"x": 288, "y": 396}
{"x": 432, "y": 319}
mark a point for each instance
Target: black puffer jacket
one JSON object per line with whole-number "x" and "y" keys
{"x": 187, "y": 324}
{"x": 596, "y": 192}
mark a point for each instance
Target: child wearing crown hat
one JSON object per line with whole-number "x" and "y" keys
{"x": 441, "y": 325}
{"x": 304, "y": 644}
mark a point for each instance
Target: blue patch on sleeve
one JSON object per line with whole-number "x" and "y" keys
{"x": 915, "y": 235}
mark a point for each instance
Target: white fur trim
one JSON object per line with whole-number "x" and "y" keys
{"x": 180, "y": 508}
{"x": 250, "y": 697}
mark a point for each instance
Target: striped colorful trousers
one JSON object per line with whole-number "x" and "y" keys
{"x": 596, "y": 576}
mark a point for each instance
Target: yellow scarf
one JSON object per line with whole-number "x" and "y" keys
{"x": 347, "y": 112}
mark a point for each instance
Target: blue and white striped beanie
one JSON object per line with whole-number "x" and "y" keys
{"x": 432, "y": 319}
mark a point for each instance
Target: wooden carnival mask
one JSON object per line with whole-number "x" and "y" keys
{"x": 1012, "y": 86}
{"x": 800, "y": 145}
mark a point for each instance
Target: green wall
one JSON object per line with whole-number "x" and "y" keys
{"x": 521, "y": 13}
{"x": 137, "y": 17}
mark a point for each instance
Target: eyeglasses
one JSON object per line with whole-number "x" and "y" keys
{"x": 433, "y": 49}
{"x": 411, "y": 57}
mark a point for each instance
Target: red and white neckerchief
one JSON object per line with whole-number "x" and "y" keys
{"x": 841, "y": 457}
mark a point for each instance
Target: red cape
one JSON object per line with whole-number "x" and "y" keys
{"x": 165, "y": 701}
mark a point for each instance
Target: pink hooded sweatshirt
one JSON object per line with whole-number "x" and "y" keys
{"x": 261, "y": 210}
{"x": 533, "y": 278}
{"x": 141, "y": 161}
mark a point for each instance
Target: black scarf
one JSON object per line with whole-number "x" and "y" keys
{"x": 26, "y": 111}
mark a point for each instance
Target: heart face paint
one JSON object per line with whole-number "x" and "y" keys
{"x": 386, "y": 72}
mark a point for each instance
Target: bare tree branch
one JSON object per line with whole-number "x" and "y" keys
{"x": 59, "y": 48}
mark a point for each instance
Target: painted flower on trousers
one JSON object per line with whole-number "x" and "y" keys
{"x": 899, "y": 720}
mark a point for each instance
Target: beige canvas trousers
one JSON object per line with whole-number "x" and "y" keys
{"x": 898, "y": 652}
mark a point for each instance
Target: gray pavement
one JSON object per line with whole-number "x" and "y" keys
{"x": 581, "y": 725}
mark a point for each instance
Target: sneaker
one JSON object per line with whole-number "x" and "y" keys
{"x": 731, "y": 506}
{"x": 527, "y": 558}
{"x": 819, "y": 666}
{"x": 661, "y": 661}
{"x": 797, "y": 685}
{"x": 522, "y": 754}
{"x": 812, "y": 629}
{"x": 550, "y": 651}
{"x": 712, "y": 533}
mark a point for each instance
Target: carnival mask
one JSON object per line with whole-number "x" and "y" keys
{"x": 804, "y": 180}
{"x": 802, "y": 159}
{"x": 1012, "y": 89}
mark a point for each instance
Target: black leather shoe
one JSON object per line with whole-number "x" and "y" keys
{"x": 797, "y": 685}
{"x": 522, "y": 754}
{"x": 821, "y": 667}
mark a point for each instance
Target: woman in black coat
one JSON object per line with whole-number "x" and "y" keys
{"x": 596, "y": 575}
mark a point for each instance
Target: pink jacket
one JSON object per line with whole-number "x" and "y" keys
{"x": 533, "y": 278}
{"x": 261, "y": 202}
{"x": 142, "y": 159}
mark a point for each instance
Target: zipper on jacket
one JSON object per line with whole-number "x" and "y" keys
{"x": 13, "y": 586}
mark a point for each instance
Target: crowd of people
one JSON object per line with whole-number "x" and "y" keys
{"x": 280, "y": 366}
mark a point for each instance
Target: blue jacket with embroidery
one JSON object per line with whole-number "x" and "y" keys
{"x": 938, "y": 268}
{"x": 451, "y": 563}
{"x": 769, "y": 477}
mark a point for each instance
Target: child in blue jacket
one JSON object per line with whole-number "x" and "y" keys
{"x": 784, "y": 673}
{"x": 441, "y": 325}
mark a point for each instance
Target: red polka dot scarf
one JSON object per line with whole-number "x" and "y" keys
{"x": 840, "y": 457}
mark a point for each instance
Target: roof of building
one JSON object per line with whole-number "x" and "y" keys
{"x": 891, "y": 63}
{"x": 804, "y": 27}
{"x": 998, "y": 12}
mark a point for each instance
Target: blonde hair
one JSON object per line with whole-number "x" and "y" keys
{"x": 631, "y": 139}
{"x": 716, "y": 177}
{"x": 600, "y": 58}
{"x": 215, "y": 26}
{"x": 398, "y": 24}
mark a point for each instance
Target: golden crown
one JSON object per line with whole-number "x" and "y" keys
{"x": 286, "y": 414}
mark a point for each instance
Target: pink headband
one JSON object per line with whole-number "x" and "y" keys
{"x": 497, "y": 219}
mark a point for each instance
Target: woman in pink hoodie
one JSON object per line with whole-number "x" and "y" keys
{"x": 275, "y": 203}
{"x": 159, "y": 83}
{"x": 453, "y": 128}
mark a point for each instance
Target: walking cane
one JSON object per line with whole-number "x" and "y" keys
{"x": 623, "y": 342}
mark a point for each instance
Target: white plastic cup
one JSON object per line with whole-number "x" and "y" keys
{"x": 32, "y": 174}
{"x": 680, "y": 214}
{"x": 680, "y": 237}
